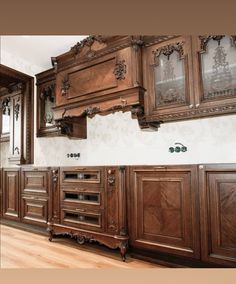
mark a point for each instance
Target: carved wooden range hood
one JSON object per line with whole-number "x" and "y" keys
{"x": 99, "y": 75}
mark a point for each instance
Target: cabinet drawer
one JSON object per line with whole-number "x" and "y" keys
{"x": 34, "y": 210}
{"x": 82, "y": 197}
{"x": 83, "y": 218}
{"x": 91, "y": 176}
{"x": 35, "y": 182}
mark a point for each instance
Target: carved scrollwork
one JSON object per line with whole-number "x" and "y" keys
{"x": 65, "y": 86}
{"x": 91, "y": 111}
{"x": 6, "y": 106}
{"x": 120, "y": 70}
{"x": 48, "y": 92}
{"x": 168, "y": 50}
{"x": 17, "y": 108}
{"x": 88, "y": 41}
{"x": 65, "y": 126}
{"x": 111, "y": 178}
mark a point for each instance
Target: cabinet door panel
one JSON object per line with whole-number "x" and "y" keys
{"x": 34, "y": 210}
{"x": 218, "y": 202}
{"x": 163, "y": 211}
{"x": 35, "y": 182}
{"x": 214, "y": 61}
{"x": 167, "y": 76}
{"x": 11, "y": 208}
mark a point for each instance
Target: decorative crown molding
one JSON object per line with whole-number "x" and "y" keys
{"x": 88, "y": 41}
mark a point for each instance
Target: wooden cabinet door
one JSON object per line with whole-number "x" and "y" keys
{"x": 11, "y": 196}
{"x": 218, "y": 213}
{"x": 214, "y": 62}
{"x": 168, "y": 78}
{"x": 34, "y": 210}
{"x": 163, "y": 210}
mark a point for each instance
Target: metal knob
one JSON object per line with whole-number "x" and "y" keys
{"x": 191, "y": 106}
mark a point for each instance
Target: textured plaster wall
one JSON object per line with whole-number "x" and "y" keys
{"x": 117, "y": 139}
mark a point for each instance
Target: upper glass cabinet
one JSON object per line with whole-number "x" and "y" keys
{"x": 5, "y": 119}
{"x": 45, "y": 103}
{"x": 167, "y": 73}
{"x": 215, "y": 68}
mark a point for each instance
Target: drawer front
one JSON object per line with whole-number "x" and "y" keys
{"x": 82, "y": 197}
{"x": 35, "y": 182}
{"x": 82, "y": 176}
{"x": 83, "y": 218}
{"x": 35, "y": 210}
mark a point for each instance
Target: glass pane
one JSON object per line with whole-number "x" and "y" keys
{"x": 49, "y": 104}
{"x": 169, "y": 80}
{"x": 219, "y": 69}
{"x": 6, "y": 116}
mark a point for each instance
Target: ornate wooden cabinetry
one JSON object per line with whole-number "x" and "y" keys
{"x": 168, "y": 77}
{"x": 218, "y": 211}
{"x": 189, "y": 77}
{"x": 163, "y": 210}
{"x": 11, "y": 193}
{"x": 214, "y": 61}
{"x": 16, "y": 114}
{"x": 5, "y": 118}
{"x": 46, "y": 84}
{"x": 90, "y": 204}
{"x": 35, "y": 187}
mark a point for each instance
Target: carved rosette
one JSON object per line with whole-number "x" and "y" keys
{"x": 167, "y": 51}
{"x": 120, "y": 70}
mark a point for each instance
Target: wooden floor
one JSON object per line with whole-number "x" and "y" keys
{"x": 21, "y": 249}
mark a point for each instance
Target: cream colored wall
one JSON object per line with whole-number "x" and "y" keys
{"x": 117, "y": 139}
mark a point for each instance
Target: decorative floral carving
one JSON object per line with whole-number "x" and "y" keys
{"x": 168, "y": 50}
{"x": 205, "y": 39}
{"x": 48, "y": 92}
{"x": 17, "y": 108}
{"x": 91, "y": 111}
{"x": 6, "y": 106}
{"x": 88, "y": 41}
{"x": 65, "y": 86}
{"x": 120, "y": 70}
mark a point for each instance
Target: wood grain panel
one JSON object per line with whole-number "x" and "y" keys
{"x": 163, "y": 210}
{"x": 11, "y": 208}
{"x": 35, "y": 182}
{"x": 218, "y": 211}
{"x": 34, "y": 210}
{"x": 93, "y": 79}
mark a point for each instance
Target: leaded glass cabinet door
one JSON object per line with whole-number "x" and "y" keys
{"x": 214, "y": 59}
{"x": 168, "y": 77}
{"x": 45, "y": 104}
{"x": 5, "y": 106}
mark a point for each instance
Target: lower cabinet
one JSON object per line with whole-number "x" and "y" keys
{"x": 218, "y": 214}
{"x": 177, "y": 213}
{"x": 90, "y": 205}
{"x": 163, "y": 210}
{"x": 11, "y": 193}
